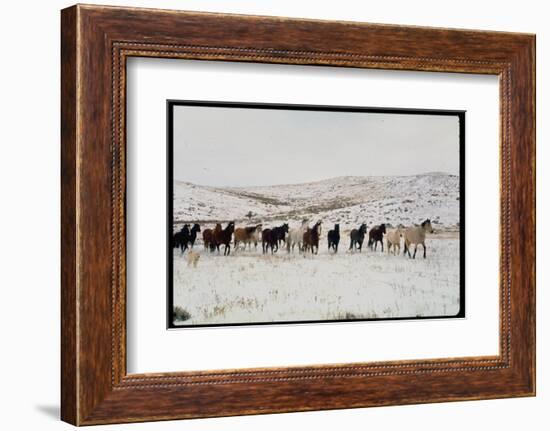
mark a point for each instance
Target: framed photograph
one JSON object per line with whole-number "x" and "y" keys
{"x": 318, "y": 215}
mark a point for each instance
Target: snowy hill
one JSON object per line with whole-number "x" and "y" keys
{"x": 345, "y": 200}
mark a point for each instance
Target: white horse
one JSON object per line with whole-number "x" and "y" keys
{"x": 417, "y": 235}
{"x": 393, "y": 240}
{"x": 295, "y": 236}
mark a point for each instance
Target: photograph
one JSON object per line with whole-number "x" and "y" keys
{"x": 303, "y": 214}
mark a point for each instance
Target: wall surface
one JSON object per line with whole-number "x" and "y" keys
{"x": 29, "y": 215}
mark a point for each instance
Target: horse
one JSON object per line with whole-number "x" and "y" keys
{"x": 269, "y": 241}
{"x": 208, "y": 237}
{"x": 280, "y": 233}
{"x": 376, "y": 235}
{"x": 393, "y": 240}
{"x": 193, "y": 234}
{"x": 311, "y": 238}
{"x": 181, "y": 239}
{"x": 417, "y": 235}
{"x": 223, "y": 236}
{"x": 247, "y": 235}
{"x": 357, "y": 236}
{"x": 296, "y": 236}
{"x": 333, "y": 238}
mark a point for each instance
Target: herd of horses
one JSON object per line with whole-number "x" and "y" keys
{"x": 305, "y": 238}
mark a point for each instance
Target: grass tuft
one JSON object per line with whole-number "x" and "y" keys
{"x": 181, "y": 314}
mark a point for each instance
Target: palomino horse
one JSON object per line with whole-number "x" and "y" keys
{"x": 417, "y": 235}
{"x": 357, "y": 236}
{"x": 376, "y": 234}
{"x": 393, "y": 240}
{"x": 296, "y": 236}
{"x": 311, "y": 238}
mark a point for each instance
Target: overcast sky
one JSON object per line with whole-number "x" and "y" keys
{"x": 248, "y": 147}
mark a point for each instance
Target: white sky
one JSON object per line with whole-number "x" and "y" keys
{"x": 249, "y": 147}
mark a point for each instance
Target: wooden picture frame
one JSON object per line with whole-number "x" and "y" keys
{"x": 95, "y": 43}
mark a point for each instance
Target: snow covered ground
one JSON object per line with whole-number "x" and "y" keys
{"x": 248, "y": 287}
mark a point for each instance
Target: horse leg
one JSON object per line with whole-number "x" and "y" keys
{"x": 415, "y": 248}
{"x": 382, "y": 246}
{"x": 407, "y": 249}
{"x": 424, "y": 245}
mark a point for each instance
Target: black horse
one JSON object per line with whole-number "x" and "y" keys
{"x": 357, "y": 236}
{"x": 333, "y": 237}
{"x": 182, "y": 238}
{"x": 269, "y": 241}
{"x": 376, "y": 234}
{"x": 280, "y": 234}
{"x": 193, "y": 233}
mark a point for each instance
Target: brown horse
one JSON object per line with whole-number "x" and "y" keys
{"x": 311, "y": 238}
{"x": 224, "y": 237}
{"x": 247, "y": 235}
{"x": 208, "y": 237}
